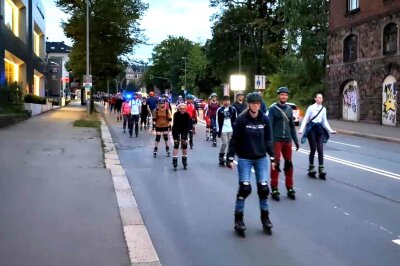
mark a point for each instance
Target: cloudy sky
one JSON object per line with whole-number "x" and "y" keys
{"x": 188, "y": 18}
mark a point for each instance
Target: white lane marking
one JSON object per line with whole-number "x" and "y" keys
{"x": 397, "y": 241}
{"x": 341, "y": 143}
{"x": 358, "y": 166}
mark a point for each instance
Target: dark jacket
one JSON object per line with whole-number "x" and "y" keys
{"x": 240, "y": 107}
{"x": 232, "y": 114}
{"x": 181, "y": 123}
{"x": 282, "y": 129}
{"x": 251, "y": 138}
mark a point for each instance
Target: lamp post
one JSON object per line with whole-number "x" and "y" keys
{"x": 185, "y": 58}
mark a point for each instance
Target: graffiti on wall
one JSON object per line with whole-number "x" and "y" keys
{"x": 389, "y": 99}
{"x": 350, "y": 101}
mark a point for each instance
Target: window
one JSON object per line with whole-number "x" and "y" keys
{"x": 11, "y": 16}
{"x": 350, "y": 48}
{"x": 36, "y": 43}
{"x": 36, "y": 85}
{"x": 352, "y": 5}
{"x": 390, "y": 39}
{"x": 11, "y": 71}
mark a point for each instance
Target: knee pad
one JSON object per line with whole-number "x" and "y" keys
{"x": 165, "y": 137}
{"x": 288, "y": 165}
{"x": 184, "y": 144}
{"x": 244, "y": 190}
{"x": 263, "y": 190}
{"x": 176, "y": 144}
{"x": 158, "y": 138}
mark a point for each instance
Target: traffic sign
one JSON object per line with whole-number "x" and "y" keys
{"x": 259, "y": 83}
{"x": 87, "y": 81}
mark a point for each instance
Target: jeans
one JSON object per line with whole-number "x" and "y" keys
{"x": 225, "y": 137}
{"x": 214, "y": 127}
{"x": 244, "y": 171}
{"x": 134, "y": 120}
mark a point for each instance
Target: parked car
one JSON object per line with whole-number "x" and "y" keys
{"x": 296, "y": 113}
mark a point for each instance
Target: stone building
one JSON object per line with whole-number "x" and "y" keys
{"x": 364, "y": 61}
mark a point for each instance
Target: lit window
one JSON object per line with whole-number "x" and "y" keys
{"x": 352, "y": 5}
{"x": 36, "y": 43}
{"x": 350, "y": 48}
{"x": 11, "y": 16}
{"x": 36, "y": 85}
{"x": 11, "y": 71}
{"x": 390, "y": 39}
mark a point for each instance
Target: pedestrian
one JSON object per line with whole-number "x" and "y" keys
{"x": 317, "y": 129}
{"x": 162, "y": 122}
{"x": 112, "y": 104}
{"x": 179, "y": 101}
{"x": 212, "y": 108}
{"x": 136, "y": 106}
{"x": 126, "y": 113}
{"x": 283, "y": 132}
{"x": 240, "y": 104}
{"x": 144, "y": 114}
{"x": 118, "y": 106}
{"x": 251, "y": 142}
{"x": 226, "y": 117}
{"x": 191, "y": 109}
{"x": 180, "y": 131}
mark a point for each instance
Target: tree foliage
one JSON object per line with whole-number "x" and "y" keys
{"x": 114, "y": 31}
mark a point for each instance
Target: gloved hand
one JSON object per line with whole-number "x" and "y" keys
{"x": 297, "y": 146}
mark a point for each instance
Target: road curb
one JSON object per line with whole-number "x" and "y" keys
{"x": 368, "y": 136}
{"x": 140, "y": 247}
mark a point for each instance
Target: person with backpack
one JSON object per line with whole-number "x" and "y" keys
{"x": 317, "y": 130}
{"x": 162, "y": 122}
{"x": 226, "y": 117}
{"x": 136, "y": 106}
{"x": 126, "y": 113}
{"x": 240, "y": 104}
{"x": 251, "y": 142}
{"x": 283, "y": 132}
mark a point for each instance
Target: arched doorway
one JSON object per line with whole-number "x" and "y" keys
{"x": 389, "y": 101}
{"x": 350, "y": 102}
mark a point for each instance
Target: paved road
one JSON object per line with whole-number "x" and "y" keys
{"x": 350, "y": 219}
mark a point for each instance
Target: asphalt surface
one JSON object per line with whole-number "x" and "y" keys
{"x": 350, "y": 219}
{"x": 57, "y": 201}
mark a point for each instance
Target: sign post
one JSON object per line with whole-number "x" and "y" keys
{"x": 259, "y": 82}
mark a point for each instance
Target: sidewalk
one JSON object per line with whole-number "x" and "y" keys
{"x": 57, "y": 201}
{"x": 371, "y": 131}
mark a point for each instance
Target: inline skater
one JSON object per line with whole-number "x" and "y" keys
{"x": 180, "y": 131}
{"x": 212, "y": 114}
{"x": 251, "y": 142}
{"x": 226, "y": 117}
{"x": 118, "y": 105}
{"x": 135, "y": 105}
{"x": 144, "y": 114}
{"x": 126, "y": 113}
{"x": 240, "y": 104}
{"x": 167, "y": 102}
{"x": 179, "y": 101}
{"x": 207, "y": 121}
{"x": 152, "y": 102}
{"x": 191, "y": 109}
{"x": 317, "y": 133}
{"x": 162, "y": 122}
{"x": 283, "y": 132}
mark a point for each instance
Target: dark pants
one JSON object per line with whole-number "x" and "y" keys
{"x": 315, "y": 139}
{"x": 134, "y": 120}
{"x": 127, "y": 117}
{"x": 143, "y": 119}
{"x": 284, "y": 148}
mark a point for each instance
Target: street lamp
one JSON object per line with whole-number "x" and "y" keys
{"x": 185, "y": 58}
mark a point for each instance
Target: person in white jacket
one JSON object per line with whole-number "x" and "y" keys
{"x": 316, "y": 130}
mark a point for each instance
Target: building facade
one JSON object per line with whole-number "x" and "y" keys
{"x": 22, "y": 44}
{"x": 364, "y": 61}
{"x": 58, "y": 78}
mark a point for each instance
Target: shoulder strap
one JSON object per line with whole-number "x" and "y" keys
{"x": 282, "y": 112}
{"x": 317, "y": 114}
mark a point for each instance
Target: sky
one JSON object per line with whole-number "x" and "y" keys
{"x": 188, "y": 18}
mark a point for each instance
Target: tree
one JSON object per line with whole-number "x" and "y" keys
{"x": 114, "y": 31}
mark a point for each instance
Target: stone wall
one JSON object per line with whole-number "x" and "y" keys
{"x": 369, "y": 71}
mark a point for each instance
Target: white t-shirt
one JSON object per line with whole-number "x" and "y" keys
{"x": 135, "y": 106}
{"x": 227, "y": 125}
{"x": 312, "y": 111}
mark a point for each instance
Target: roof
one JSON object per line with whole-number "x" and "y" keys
{"x": 57, "y": 47}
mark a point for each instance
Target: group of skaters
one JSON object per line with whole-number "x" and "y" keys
{"x": 257, "y": 136}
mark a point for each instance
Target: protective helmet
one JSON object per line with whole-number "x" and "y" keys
{"x": 239, "y": 93}
{"x": 180, "y": 96}
{"x": 151, "y": 93}
{"x": 213, "y": 95}
{"x": 165, "y": 95}
{"x": 282, "y": 90}
{"x": 189, "y": 97}
{"x": 225, "y": 98}
{"x": 254, "y": 97}
{"x": 161, "y": 101}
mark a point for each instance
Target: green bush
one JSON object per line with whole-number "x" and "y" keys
{"x": 11, "y": 98}
{"x": 31, "y": 98}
